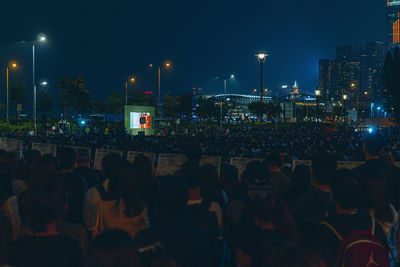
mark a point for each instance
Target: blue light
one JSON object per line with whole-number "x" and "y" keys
{"x": 82, "y": 122}
{"x": 379, "y": 108}
{"x": 370, "y": 130}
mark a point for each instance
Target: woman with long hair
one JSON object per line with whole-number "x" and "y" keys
{"x": 128, "y": 211}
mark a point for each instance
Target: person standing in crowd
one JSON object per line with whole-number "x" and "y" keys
{"x": 316, "y": 204}
{"x": 74, "y": 186}
{"x": 128, "y": 211}
{"x": 100, "y": 191}
{"x": 372, "y": 148}
{"x": 44, "y": 245}
{"x": 347, "y": 194}
{"x": 82, "y": 168}
{"x": 279, "y": 181}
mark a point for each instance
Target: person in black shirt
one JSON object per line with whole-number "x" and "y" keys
{"x": 348, "y": 218}
{"x": 92, "y": 177}
{"x": 312, "y": 207}
{"x": 44, "y": 245}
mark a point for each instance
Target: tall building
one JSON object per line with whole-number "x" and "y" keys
{"x": 392, "y": 24}
{"x": 355, "y": 73}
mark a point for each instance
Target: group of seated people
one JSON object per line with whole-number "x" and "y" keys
{"x": 59, "y": 212}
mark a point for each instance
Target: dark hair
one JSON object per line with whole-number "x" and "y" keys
{"x": 125, "y": 184}
{"x": 209, "y": 187}
{"x": 31, "y": 155}
{"x": 82, "y": 155}
{"x": 377, "y": 192}
{"x": 50, "y": 157}
{"x": 6, "y": 239}
{"x": 46, "y": 204}
{"x": 301, "y": 178}
{"x": 274, "y": 160}
{"x": 11, "y": 159}
{"x": 323, "y": 167}
{"x": 171, "y": 195}
{"x": 109, "y": 162}
{"x": 346, "y": 189}
{"x": 256, "y": 172}
{"x": 374, "y": 144}
{"x": 113, "y": 248}
{"x": 40, "y": 171}
{"x": 6, "y": 189}
{"x": 143, "y": 167}
{"x": 229, "y": 173}
{"x": 65, "y": 158}
{"x": 191, "y": 172}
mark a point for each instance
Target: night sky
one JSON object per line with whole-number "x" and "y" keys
{"x": 105, "y": 41}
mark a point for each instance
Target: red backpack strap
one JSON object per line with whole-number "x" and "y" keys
{"x": 333, "y": 230}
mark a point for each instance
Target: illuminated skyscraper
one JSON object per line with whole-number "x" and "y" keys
{"x": 392, "y": 24}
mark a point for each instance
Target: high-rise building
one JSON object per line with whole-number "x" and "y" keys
{"x": 355, "y": 73}
{"x": 392, "y": 24}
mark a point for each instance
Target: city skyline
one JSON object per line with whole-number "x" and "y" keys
{"x": 203, "y": 41}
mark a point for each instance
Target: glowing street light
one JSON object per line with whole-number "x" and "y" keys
{"x": 44, "y": 83}
{"x": 365, "y": 93}
{"x": 232, "y": 76}
{"x": 40, "y": 38}
{"x": 167, "y": 65}
{"x": 261, "y": 59}
{"x": 12, "y": 65}
{"x": 344, "y": 97}
{"x": 317, "y": 92}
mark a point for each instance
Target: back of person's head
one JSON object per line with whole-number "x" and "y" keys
{"x": 31, "y": 155}
{"x": 82, "y": 157}
{"x": 129, "y": 186}
{"x": 274, "y": 160}
{"x": 229, "y": 173}
{"x": 41, "y": 171}
{"x": 191, "y": 172}
{"x": 301, "y": 178}
{"x": 6, "y": 189}
{"x": 209, "y": 182}
{"x": 46, "y": 204}
{"x": 323, "y": 167}
{"x": 109, "y": 162}
{"x": 143, "y": 167}
{"x": 50, "y": 157}
{"x": 65, "y": 158}
{"x": 193, "y": 152}
{"x": 346, "y": 189}
{"x": 11, "y": 159}
{"x": 171, "y": 195}
{"x": 113, "y": 248}
{"x": 377, "y": 195}
{"x": 256, "y": 172}
{"x": 373, "y": 144}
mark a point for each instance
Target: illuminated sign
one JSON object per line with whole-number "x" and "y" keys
{"x": 396, "y": 31}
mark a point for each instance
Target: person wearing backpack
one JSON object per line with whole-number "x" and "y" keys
{"x": 352, "y": 236}
{"x": 99, "y": 192}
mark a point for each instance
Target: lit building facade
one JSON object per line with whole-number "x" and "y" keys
{"x": 392, "y": 24}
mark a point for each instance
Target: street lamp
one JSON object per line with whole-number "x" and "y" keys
{"x": 166, "y": 65}
{"x": 12, "y": 65}
{"x": 132, "y": 80}
{"x": 40, "y": 38}
{"x": 344, "y": 97}
{"x": 261, "y": 59}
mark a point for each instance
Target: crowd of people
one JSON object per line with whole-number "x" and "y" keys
{"x": 296, "y": 141}
{"x": 59, "y": 212}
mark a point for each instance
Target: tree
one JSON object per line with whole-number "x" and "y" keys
{"x": 391, "y": 83}
{"x": 116, "y": 103}
{"x": 258, "y": 109}
{"x": 184, "y": 106}
{"x": 99, "y": 107}
{"x": 73, "y": 94}
{"x": 206, "y": 109}
{"x": 44, "y": 102}
{"x": 339, "y": 111}
{"x": 18, "y": 95}
{"x": 169, "y": 107}
{"x": 141, "y": 98}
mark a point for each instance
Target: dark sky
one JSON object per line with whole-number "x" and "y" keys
{"x": 106, "y": 40}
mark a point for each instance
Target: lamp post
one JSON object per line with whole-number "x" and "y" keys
{"x": 317, "y": 94}
{"x": 12, "y": 65}
{"x": 261, "y": 59}
{"x": 132, "y": 80}
{"x": 41, "y": 38}
{"x": 167, "y": 65}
